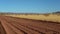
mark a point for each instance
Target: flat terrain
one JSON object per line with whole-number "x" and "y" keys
{"x": 13, "y": 25}
{"x": 50, "y": 17}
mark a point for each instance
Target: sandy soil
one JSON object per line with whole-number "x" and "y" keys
{"x": 13, "y": 25}
{"x": 51, "y": 17}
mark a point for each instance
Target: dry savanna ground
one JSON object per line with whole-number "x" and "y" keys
{"x": 51, "y": 17}
{"x": 13, "y": 25}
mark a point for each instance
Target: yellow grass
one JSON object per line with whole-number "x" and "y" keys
{"x": 51, "y": 17}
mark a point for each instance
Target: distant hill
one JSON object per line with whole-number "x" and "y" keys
{"x": 58, "y": 12}
{"x": 46, "y": 14}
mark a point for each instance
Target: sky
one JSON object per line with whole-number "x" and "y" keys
{"x": 29, "y": 6}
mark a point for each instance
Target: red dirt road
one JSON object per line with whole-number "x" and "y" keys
{"x": 12, "y": 25}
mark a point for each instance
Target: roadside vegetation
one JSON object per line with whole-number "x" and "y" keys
{"x": 48, "y": 17}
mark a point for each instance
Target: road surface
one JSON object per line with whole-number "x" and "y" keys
{"x": 13, "y": 25}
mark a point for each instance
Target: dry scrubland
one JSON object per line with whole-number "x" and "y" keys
{"x": 51, "y": 17}
{"x": 11, "y": 25}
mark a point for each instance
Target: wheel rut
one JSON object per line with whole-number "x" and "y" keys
{"x": 2, "y": 30}
{"x": 12, "y": 25}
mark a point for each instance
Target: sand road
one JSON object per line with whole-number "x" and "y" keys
{"x": 13, "y": 25}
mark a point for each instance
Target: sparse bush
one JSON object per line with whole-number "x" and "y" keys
{"x": 46, "y": 15}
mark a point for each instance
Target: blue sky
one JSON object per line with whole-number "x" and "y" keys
{"x": 29, "y": 6}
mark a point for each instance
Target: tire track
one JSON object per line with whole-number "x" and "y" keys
{"x": 50, "y": 30}
{"x": 28, "y": 27}
{"x": 22, "y": 27}
{"x": 10, "y": 27}
{"x": 2, "y": 30}
{"x": 39, "y": 24}
{"x": 25, "y": 26}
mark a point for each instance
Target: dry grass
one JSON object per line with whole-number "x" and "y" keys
{"x": 51, "y": 17}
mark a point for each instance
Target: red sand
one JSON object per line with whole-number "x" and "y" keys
{"x": 12, "y": 25}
